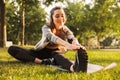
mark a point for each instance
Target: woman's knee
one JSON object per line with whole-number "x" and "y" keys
{"x": 11, "y": 50}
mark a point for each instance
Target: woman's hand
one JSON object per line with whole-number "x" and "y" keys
{"x": 82, "y": 47}
{"x": 68, "y": 46}
{"x": 72, "y": 46}
{"x": 75, "y": 41}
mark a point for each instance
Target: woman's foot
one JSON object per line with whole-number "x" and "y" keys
{"x": 81, "y": 61}
{"x": 48, "y": 61}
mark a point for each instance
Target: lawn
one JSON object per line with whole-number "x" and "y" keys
{"x": 12, "y": 69}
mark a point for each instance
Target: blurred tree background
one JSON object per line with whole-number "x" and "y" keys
{"x": 95, "y": 24}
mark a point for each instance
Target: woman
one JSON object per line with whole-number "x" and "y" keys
{"x": 48, "y": 50}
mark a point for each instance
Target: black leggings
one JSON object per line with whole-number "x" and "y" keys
{"x": 29, "y": 55}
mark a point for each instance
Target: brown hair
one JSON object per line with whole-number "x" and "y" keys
{"x": 51, "y": 24}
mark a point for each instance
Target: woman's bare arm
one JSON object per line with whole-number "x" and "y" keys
{"x": 67, "y": 45}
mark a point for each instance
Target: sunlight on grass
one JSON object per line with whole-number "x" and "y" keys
{"x": 12, "y": 69}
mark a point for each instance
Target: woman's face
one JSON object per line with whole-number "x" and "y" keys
{"x": 59, "y": 18}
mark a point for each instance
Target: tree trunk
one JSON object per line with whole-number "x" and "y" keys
{"x": 23, "y": 24}
{"x": 98, "y": 42}
{"x": 3, "y": 37}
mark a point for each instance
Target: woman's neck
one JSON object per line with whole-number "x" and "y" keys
{"x": 57, "y": 31}
{"x": 58, "y": 28}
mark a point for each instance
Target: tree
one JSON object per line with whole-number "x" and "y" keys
{"x": 115, "y": 20}
{"x": 75, "y": 15}
{"x": 13, "y": 22}
{"x": 48, "y": 2}
{"x": 102, "y": 16}
{"x": 87, "y": 21}
{"x": 34, "y": 20}
{"x": 2, "y": 24}
{"x": 23, "y": 21}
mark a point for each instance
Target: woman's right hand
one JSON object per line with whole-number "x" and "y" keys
{"x": 72, "y": 46}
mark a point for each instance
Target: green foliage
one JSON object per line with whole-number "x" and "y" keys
{"x": 11, "y": 69}
{"x": 49, "y": 2}
{"x": 34, "y": 20}
{"x": 75, "y": 15}
{"x": 100, "y": 19}
{"x": 12, "y": 22}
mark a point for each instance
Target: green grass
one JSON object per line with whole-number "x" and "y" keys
{"x": 12, "y": 69}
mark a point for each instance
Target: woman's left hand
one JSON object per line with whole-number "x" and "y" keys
{"x": 75, "y": 41}
{"x": 82, "y": 47}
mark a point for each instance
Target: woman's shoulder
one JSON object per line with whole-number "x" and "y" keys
{"x": 45, "y": 26}
{"x": 65, "y": 28}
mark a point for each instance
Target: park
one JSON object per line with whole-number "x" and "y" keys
{"x": 12, "y": 69}
{"x": 95, "y": 24}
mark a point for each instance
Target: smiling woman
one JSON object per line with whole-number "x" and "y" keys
{"x": 56, "y": 40}
{"x": 57, "y": 18}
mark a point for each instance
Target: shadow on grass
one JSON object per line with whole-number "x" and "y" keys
{"x": 44, "y": 69}
{"x": 12, "y": 62}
